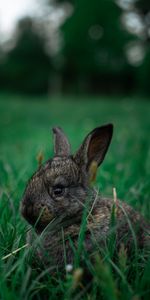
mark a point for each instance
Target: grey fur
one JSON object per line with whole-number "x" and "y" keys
{"x": 53, "y": 213}
{"x": 61, "y": 144}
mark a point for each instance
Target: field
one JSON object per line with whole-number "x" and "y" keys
{"x": 25, "y": 132}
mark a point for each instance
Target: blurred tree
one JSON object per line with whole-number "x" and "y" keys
{"x": 27, "y": 67}
{"x": 142, "y": 8}
{"x": 98, "y": 53}
{"x": 94, "y": 48}
{"x": 143, "y": 75}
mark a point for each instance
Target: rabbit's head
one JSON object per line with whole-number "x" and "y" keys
{"x": 60, "y": 186}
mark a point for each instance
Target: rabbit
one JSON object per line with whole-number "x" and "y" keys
{"x": 57, "y": 194}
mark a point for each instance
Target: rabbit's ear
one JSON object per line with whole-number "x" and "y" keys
{"x": 94, "y": 147}
{"x": 61, "y": 144}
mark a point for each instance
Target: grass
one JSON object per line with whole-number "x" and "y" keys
{"x": 25, "y": 126}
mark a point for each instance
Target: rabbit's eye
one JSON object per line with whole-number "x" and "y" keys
{"x": 58, "y": 190}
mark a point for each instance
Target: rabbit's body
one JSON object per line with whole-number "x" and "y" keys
{"x": 58, "y": 194}
{"x": 57, "y": 250}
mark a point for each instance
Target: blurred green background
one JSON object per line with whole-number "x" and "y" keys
{"x": 79, "y": 47}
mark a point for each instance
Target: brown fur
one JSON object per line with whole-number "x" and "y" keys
{"x": 57, "y": 193}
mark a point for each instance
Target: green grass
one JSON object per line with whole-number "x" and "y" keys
{"x": 25, "y": 130}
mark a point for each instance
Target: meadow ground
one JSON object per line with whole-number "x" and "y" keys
{"x": 25, "y": 131}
